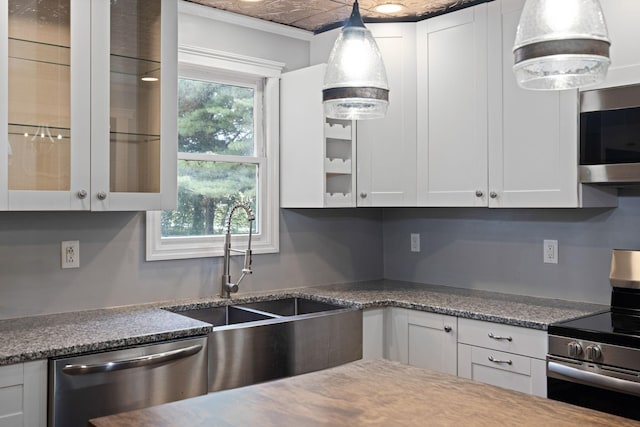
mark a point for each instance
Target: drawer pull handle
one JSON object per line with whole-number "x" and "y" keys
{"x": 499, "y": 338}
{"x": 507, "y": 362}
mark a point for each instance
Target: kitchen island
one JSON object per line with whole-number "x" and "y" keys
{"x": 365, "y": 393}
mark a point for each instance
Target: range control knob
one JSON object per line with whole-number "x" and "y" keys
{"x": 594, "y": 352}
{"x": 575, "y": 349}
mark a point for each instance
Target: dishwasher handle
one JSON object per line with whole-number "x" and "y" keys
{"x": 136, "y": 362}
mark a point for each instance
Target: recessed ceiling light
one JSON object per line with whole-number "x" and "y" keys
{"x": 251, "y": 1}
{"x": 389, "y": 8}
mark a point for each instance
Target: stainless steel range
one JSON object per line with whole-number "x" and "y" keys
{"x": 594, "y": 361}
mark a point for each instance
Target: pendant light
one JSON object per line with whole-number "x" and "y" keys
{"x": 355, "y": 83}
{"x": 561, "y": 44}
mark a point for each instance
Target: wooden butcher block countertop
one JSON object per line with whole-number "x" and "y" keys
{"x": 365, "y": 393}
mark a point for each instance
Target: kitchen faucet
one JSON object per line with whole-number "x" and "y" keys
{"x": 228, "y": 287}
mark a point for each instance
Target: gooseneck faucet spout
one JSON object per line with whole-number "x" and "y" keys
{"x": 228, "y": 287}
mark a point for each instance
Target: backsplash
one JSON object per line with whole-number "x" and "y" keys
{"x": 316, "y": 247}
{"x": 501, "y": 249}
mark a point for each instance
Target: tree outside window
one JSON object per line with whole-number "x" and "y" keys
{"x": 217, "y": 164}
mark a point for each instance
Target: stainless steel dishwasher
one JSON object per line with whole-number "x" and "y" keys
{"x": 93, "y": 385}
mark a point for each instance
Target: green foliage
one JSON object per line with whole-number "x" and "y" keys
{"x": 212, "y": 118}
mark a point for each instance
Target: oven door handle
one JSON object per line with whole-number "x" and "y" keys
{"x": 561, "y": 371}
{"x": 136, "y": 362}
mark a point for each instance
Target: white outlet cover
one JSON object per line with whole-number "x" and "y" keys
{"x": 550, "y": 251}
{"x": 70, "y": 254}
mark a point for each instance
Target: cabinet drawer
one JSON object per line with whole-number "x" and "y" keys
{"x": 507, "y": 338}
{"x": 499, "y": 360}
{"x": 502, "y": 369}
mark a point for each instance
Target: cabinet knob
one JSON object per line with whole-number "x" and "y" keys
{"x": 447, "y": 329}
{"x": 82, "y": 194}
{"x": 479, "y": 193}
{"x": 102, "y": 195}
{"x": 493, "y": 194}
{"x": 363, "y": 195}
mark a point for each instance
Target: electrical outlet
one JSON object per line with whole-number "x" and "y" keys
{"x": 70, "y": 254}
{"x": 550, "y": 251}
{"x": 415, "y": 242}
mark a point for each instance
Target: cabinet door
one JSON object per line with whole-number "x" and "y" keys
{"x": 23, "y": 394}
{"x": 387, "y": 147}
{"x": 134, "y": 92}
{"x": 452, "y": 109}
{"x": 45, "y": 104}
{"x": 425, "y": 340}
{"x": 533, "y": 152}
{"x": 506, "y": 370}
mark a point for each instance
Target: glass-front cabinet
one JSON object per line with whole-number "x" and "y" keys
{"x": 88, "y": 116}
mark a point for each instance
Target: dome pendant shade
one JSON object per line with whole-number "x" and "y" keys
{"x": 355, "y": 83}
{"x": 561, "y": 44}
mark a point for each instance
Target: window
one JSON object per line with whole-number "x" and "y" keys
{"x": 227, "y": 153}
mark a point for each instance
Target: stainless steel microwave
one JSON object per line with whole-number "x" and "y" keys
{"x": 610, "y": 135}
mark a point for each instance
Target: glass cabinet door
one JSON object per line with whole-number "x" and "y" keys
{"x": 41, "y": 56}
{"x": 128, "y": 169}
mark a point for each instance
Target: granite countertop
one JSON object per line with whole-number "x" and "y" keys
{"x": 41, "y": 337}
{"x": 372, "y": 393}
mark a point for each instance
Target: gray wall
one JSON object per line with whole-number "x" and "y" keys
{"x": 316, "y": 247}
{"x": 501, "y": 249}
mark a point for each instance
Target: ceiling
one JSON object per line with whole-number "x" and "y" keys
{"x": 321, "y": 15}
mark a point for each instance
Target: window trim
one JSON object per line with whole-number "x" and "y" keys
{"x": 268, "y": 241}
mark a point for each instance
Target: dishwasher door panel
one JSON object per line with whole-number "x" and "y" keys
{"x": 94, "y": 385}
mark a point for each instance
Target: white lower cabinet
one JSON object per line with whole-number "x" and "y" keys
{"x": 23, "y": 394}
{"x": 507, "y": 356}
{"x": 425, "y": 340}
{"x": 503, "y": 355}
{"x": 373, "y": 333}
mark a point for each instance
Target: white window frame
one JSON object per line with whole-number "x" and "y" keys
{"x": 191, "y": 62}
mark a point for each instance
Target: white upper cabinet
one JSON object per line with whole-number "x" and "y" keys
{"x": 82, "y": 130}
{"x": 533, "y": 135}
{"x": 459, "y": 130}
{"x": 317, "y": 155}
{"x": 452, "y": 109}
{"x": 482, "y": 140}
{"x": 387, "y": 147}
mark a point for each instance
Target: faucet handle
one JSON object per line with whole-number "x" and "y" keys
{"x": 247, "y": 261}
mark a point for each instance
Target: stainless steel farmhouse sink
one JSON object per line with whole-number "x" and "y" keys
{"x": 225, "y": 315}
{"x": 261, "y": 341}
{"x": 291, "y": 306}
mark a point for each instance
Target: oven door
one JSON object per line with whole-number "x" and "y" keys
{"x": 599, "y": 387}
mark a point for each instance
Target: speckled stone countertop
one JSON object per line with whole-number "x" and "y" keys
{"x": 41, "y": 337}
{"x": 516, "y": 310}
